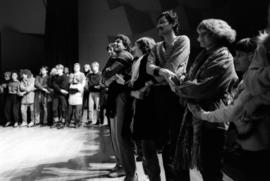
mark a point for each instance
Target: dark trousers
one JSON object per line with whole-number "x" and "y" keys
{"x": 86, "y": 103}
{"x": 103, "y": 105}
{"x": 41, "y": 108}
{"x": 59, "y": 106}
{"x": 242, "y": 165}
{"x": 150, "y": 160}
{"x": 12, "y": 108}
{"x": 211, "y": 153}
{"x": 167, "y": 115}
{"x": 2, "y": 111}
{"x": 125, "y": 143}
{"x": 50, "y": 112}
{"x": 76, "y": 111}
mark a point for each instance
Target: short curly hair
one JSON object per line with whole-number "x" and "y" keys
{"x": 172, "y": 18}
{"x": 26, "y": 72}
{"x": 125, "y": 39}
{"x": 145, "y": 44}
{"x": 219, "y": 29}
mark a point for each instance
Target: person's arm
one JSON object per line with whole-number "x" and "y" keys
{"x": 83, "y": 81}
{"x": 99, "y": 82}
{"x": 55, "y": 85}
{"x": 19, "y": 88}
{"x": 217, "y": 73}
{"x": 176, "y": 62}
{"x": 115, "y": 68}
{"x": 65, "y": 83}
{"x": 224, "y": 113}
{"x": 38, "y": 84}
{"x": 122, "y": 62}
{"x": 251, "y": 106}
{"x": 31, "y": 85}
{"x": 152, "y": 67}
{"x": 22, "y": 87}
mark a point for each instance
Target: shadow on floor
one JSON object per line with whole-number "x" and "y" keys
{"x": 90, "y": 164}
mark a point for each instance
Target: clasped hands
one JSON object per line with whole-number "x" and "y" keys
{"x": 170, "y": 77}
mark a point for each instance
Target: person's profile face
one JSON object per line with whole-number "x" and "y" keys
{"x": 241, "y": 61}
{"x": 204, "y": 39}
{"x": 163, "y": 26}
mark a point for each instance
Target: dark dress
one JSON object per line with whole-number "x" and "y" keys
{"x": 141, "y": 120}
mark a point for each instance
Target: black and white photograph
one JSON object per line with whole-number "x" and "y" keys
{"x": 134, "y": 90}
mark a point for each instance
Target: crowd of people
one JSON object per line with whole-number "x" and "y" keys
{"x": 210, "y": 112}
{"x": 56, "y": 98}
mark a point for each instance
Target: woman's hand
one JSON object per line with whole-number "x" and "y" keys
{"x": 196, "y": 110}
{"x": 168, "y": 75}
{"x": 63, "y": 91}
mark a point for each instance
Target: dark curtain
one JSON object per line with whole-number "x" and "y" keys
{"x": 1, "y": 71}
{"x": 61, "y": 33}
{"x": 248, "y": 17}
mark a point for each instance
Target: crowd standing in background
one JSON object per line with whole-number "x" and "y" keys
{"x": 209, "y": 113}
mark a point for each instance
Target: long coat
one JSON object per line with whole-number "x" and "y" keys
{"x": 208, "y": 83}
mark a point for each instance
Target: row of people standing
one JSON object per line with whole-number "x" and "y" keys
{"x": 166, "y": 85}
{"x": 52, "y": 99}
{"x": 156, "y": 114}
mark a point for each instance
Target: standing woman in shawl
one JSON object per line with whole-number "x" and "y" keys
{"x": 208, "y": 83}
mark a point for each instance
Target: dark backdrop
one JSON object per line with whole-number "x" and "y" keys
{"x": 67, "y": 31}
{"x": 61, "y": 33}
{"x": 100, "y": 20}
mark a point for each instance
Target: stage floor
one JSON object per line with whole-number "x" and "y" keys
{"x": 45, "y": 154}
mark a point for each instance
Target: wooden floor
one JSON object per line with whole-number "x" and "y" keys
{"x": 44, "y": 154}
